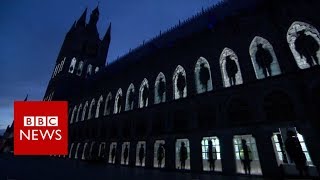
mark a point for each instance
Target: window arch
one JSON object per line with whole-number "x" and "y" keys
{"x": 179, "y": 83}
{"x": 80, "y": 67}
{"x": 202, "y": 74}
{"x": 107, "y": 106}
{"x": 304, "y": 42}
{"x": 130, "y": 98}
{"x": 230, "y": 68}
{"x": 117, "y": 102}
{"x": 263, "y": 58}
{"x": 98, "y": 106}
{"x": 84, "y": 110}
{"x": 79, "y": 110}
{"x": 93, "y": 102}
{"x": 89, "y": 70}
{"x": 144, "y": 93}
{"x": 73, "y": 113}
{"x": 160, "y": 89}
{"x": 72, "y": 65}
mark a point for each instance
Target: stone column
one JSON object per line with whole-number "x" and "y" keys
{"x": 195, "y": 153}
{"x": 227, "y": 153}
{"x": 170, "y": 153}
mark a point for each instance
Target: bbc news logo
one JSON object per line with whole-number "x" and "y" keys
{"x": 41, "y": 128}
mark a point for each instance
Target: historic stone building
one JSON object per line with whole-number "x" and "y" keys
{"x": 237, "y": 71}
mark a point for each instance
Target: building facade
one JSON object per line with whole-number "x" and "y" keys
{"x": 236, "y": 71}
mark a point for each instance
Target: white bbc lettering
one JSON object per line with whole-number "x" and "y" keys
{"x": 41, "y": 120}
{"x": 28, "y": 121}
{"x": 52, "y": 121}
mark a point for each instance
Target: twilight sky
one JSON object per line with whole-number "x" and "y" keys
{"x": 32, "y": 32}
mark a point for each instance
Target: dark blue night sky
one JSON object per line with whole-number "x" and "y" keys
{"x": 32, "y": 32}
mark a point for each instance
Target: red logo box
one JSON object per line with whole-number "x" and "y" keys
{"x": 40, "y": 128}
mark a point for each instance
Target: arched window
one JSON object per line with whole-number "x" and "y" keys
{"x": 98, "y": 106}
{"x": 179, "y": 83}
{"x": 78, "y": 113}
{"x": 102, "y": 150}
{"x": 211, "y": 154}
{"x": 89, "y": 70}
{"x": 125, "y": 153}
{"x": 72, "y": 65}
{"x": 112, "y": 152}
{"x": 62, "y": 64}
{"x": 159, "y": 157}
{"x": 118, "y": 102}
{"x": 73, "y": 114}
{"x": 77, "y": 149}
{"x": 141, "y": 153}
{"x": 71, "y": 150}
{"x": 107, "y": 106}
{"x": 85, "y": 151}
{"x": 96, "y": 70}
{"x": 160, "y": 89}
{"x": 56, "y": 70}
{"x": 264, "y": 59}
{"x": 202, "y": 76}
{"x": 80, "y": 67}
{"x": 93, "y": 102}
{"x": 304, "y": 42}
{"x": 144, "y": 93}
{"x": 230, "y": 68}
{"x": 84, "y": 110}
{"x": 130, "y": 98}
{"x": 183, "y": 154}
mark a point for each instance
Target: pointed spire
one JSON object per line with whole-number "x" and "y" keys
{"x": 107, "y": 36}
{"x": 26, "y": 99}
{"x": 73, "y": 27}
{"x": 82, "y": 19}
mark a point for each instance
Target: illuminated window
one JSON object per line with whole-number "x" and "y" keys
{"x": 71, "y": 149}
{"x": 107, "y": 106}
{"x": 211, "y": 154}
{"x": 279, "y": 140}
{"x": 144, "y": 93}
{"x": 202, "y": 74}
{"x": 72, "y": 65}
{"x": 56, "y": 70}
{"x": 92, "y": 149}
{"x": 159, "y": 158}
{"x": 77, "y": 150}
{"x": 264, "y": 59}
{"x": 246, "y": 153}
{"x": 78, "y": 113}
{"x": 89, "y": 70}
{"x": 304, "y": 42}
{"x": 85, "y": 152}
{"x": 130, "y": 98}
{"x": 80, "y": 67}
{"x": 73, "y": 114}
{"x": 117, "y": 102}
{"x": 113, "y": 153}
{"x": 62, "y": 64}
{"x": 160, "y": 89}
{"x": 141, "y": 153}
{"x": 84, "y": 111}
{"x": 96, "y": 70}
{"x": 125, "y": 152}
{"x": 230, "y": 68}
{"x": 183, "y": 154}
{"x": 179, "y": 83}
{"x": 93, "y": 102}
{"x": 102, "y": 150}
{"x": 98, "y": 106}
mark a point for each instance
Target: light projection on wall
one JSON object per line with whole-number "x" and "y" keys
{"x": 84, "y": 111}
{"x": 73, "y": 114}
{"x": 117, "y": 102}
{"x": 70, "y": 151}
{"x": 85, "y": 151}
{"x": 160, "y": 89}
{"x": 78, "y": 113}
{"x": 246, "y": 153}
{"x": 159, "y": 157}
{"x": 141, "y": 153}
{"x": 102, "y": 150}
{"x": 183, "y": 154}
{"x": 89, "y": 70}
{"x": 125, "y": 152}
{"x": 144, "y": 93}
{"x": 107, "y": 106}
{"x": 77, "y": 150}
{"x": 93, "y": 102}
{"x": 230, "y": 68}
{"x": 280, "y": 141}
{"x": 304, "y": 42}
{"x": 202, "y": 74}
{"x": 179, "y": 83}
{"x": 211, "y": 154}
{"x": 72, "y": 65}
{"x": 112, "y": 153}
{"x": 98, "y": 106}
{"x": 79, "y": 69}
{"x": 130, "y": 98}
{"x": 263, "y": 58}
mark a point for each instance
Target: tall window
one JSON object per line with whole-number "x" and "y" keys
{"x": 130, "y": 98}
{"x": 73, "y": 114}
{"x": 85, "y": 152}
{"x": 183, "y": 154}
{"x": 202, "y": 74}
{"x": 118, "y": 102}
{"x": 112, "y": 153}
{"x": 84, "y": 111}
{"x": 263, "y": 58}
{"x": 125, "y": 152}
{"x": 80, "y": 67}
{"x": 107, "y": 106}
{"x": 71, "y": 150}
{"x": 211, "y": 154}
{"x": 304, "y": 42}
{"x": 89, "y": 70}
{"x": 102, "y": 150}
{"x": 246, "y": 154}
{"x": 230, "y": 68}
{"x": 141, "y": 153}
{"x": 144, "y": 94}
{"x": 72, "y": 65}
{"x": 77, "y": 151}
{"x": 93, "y": 102}
{"x": 159, "y": 157}
{"x": 98, "y": 106}
{"x": 62, "y": 64}
{"x": 78, "y": 113}
{"x": 160, "y": 89}
{"x": 179, "y": 83}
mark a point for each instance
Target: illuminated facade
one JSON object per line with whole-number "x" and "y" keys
{"x": 233, "y": 73}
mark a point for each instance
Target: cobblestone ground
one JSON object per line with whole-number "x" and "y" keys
{"x": 40, "y": 168}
